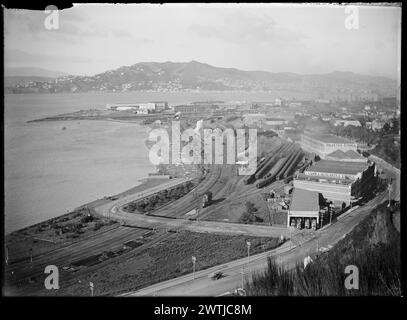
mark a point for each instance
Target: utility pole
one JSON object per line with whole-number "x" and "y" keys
{"x": 269, "y": 211}
{"x": 330, "y": 214}
{"x": 242, "y": 277}
{"x": 193, "y": 266}
{"x": 248, "y": 251}
{"x": 91, "y": 288}
{"x": 389, "y": 188}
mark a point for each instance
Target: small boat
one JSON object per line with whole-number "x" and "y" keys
{"x": 63, "y": 128}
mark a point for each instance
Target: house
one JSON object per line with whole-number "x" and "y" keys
{"x": 377, "y": 125}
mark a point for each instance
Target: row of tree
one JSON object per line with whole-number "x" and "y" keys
{"x": 159, "y": 199}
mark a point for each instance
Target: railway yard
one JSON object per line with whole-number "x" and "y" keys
{"x": 139, "y": 240}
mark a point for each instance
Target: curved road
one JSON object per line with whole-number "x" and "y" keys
{"x": 289, "y": 254}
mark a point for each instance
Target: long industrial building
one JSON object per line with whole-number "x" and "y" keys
{"x": 325, "y": 144}
{"x": 338, "y": 181}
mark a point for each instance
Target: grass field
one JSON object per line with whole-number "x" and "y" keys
{"x": 165, "y": 260}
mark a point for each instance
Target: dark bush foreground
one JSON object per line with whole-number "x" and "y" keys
{"x": 374, "y": 247}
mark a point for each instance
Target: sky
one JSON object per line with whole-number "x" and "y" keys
{"x": 305, "y": 39}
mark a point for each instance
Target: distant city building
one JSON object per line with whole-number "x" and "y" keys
{"x": 275, "y": 121}
{"x": 194, "y": 108}
{"x": 345, "y": 123}
{"x": 323, "y": 101}
{"x": 160, "y": 105}
{"x": 377, "y": 125}
{"x": 278, "y": 102}
{"x": 254, "y": 118}
{"x": 390, "y": 102}
{"x": 142, "y": 108}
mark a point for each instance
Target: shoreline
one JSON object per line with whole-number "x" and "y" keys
{"x": 139, "y": 181}
{"x": 142, "y": 181}
{"x": 68, "y": 228}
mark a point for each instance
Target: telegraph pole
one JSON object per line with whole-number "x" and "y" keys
{"x": 91, "y": 288}
{"x": 242, "y": 277}
{"x": 248, "y": 251}
{"x": 330, "y": 214}
{"x": 193, "y": 266}
{"x": 389, "y": 188}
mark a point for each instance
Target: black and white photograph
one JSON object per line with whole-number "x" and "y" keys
{"x": 202, "y": 150}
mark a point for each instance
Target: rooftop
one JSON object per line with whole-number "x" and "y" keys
{"x": 340, "y": 167}
{"x": 327, "y": 138}
{"x": 304, "y": 200}
{"x": 350, "y": 154}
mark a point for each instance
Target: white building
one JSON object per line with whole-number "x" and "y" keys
{"x": 377, "y": 125}
{"x": 345, "y": 123}
{"x": 253, "y": 118}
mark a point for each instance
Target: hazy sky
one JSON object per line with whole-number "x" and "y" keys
{"x": 278, "y": 38}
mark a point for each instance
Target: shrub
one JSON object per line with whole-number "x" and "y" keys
{"x": 98, "y": 225}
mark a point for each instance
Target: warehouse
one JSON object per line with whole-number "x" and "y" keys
{"x": 304, "y": 209}
{"x": 254, "y": 118}
{"x": 193, "y": 108}
{"x": 324, "y": 144}
{"x": 138, "y": 107}
{"x": 338, "y": 181}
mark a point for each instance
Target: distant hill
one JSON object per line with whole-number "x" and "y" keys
{"x": 32, "y": 72}
{"x": 193, "y": 75}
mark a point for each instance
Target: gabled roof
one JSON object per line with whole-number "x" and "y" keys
{"x": 339, "y": 154}
{"x": 353, "y": 154}
{"x": 350, "y": 154}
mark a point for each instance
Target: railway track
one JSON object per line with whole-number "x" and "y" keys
{"x": 68, "y": 254}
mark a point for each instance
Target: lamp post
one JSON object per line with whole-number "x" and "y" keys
{"x": 91, "y": 288}
{"x": 193, "y": 266}
{"x": 242, "y": 277}
{"x": 248, "y": 251}
{"x": 389, "y": 188}
{"x": 330, "y": 213}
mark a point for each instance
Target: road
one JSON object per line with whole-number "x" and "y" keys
{"x": 114, "y": 210}
{"x": 115, "y": 238}
{"x": 288, "y": 254}
{"x": 201, "y": 285}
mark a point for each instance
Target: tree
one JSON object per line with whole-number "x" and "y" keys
{"x": 249, "y": 215}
